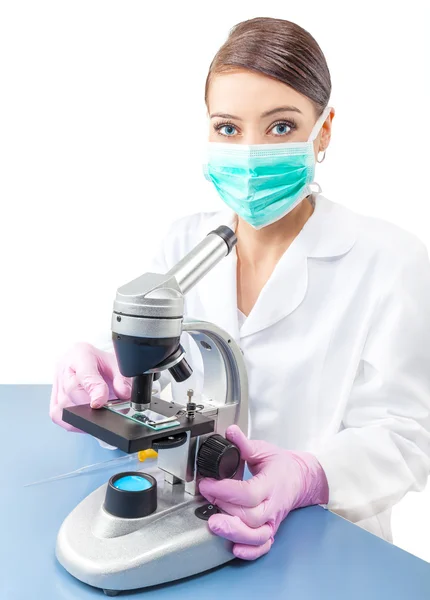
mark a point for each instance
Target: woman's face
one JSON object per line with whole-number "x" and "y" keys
{"x": 249, "y": 108}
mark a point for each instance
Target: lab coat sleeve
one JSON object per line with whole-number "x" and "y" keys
{"x": 383, "y": 450}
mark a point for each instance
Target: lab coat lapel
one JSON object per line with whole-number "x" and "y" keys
{"x": 218, "y": 289}
{"x": 328, "y": 233}
{"x": 283, "y": 292}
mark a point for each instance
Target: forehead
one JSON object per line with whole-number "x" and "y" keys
{"x": 247, "y": 93}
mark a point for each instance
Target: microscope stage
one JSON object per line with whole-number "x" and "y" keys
{"x": 128, "y": 435}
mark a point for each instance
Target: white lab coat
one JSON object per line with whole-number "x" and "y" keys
{"x": 337, "y": 349}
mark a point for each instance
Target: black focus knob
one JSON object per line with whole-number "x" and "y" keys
{"x": 218, "y": 458}
{"x": 131, "y": 495}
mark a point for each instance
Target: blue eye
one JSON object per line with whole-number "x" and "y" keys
{"x": 281, "y": 128}
{"x": 229, "y": 130}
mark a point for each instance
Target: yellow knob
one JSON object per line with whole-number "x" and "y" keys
{"x": 144, "y": 454}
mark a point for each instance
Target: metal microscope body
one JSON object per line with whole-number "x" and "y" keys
{"x": 123, "y": 553}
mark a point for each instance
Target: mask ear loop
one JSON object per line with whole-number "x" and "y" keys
{"x": 317, "y": 127}
{"x": 315, "y": 131}
{"x": 322, "y": 160}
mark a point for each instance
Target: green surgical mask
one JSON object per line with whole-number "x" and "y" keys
{"x": 263, "y": 182}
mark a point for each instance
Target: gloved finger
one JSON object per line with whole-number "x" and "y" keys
{"x": 73, "y": 389}
{"x": 90, "y": 379}
{"x": 253, "y": 517}
{"x": 121, "y": 386}
{"x": 252, "y": 451}
{"x": 246, "y": 552}
{"x": 235, "y": 435}
{"x": 249, "y": 493}
{"x": 235, "y": 530}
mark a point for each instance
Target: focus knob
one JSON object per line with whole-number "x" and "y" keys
{"x": 218, "y": 458}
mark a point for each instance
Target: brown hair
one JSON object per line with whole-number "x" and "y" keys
{"x": 279, "y": 49}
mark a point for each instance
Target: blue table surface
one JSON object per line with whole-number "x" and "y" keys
{"x": 316, "y": 555}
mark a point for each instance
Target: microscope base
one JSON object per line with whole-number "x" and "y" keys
{"x": 117, "y": 554}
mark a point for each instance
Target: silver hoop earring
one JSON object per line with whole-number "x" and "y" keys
{"x": 322, "y": 160}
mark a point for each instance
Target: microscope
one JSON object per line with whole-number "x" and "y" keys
{"x": 140, "y": 530}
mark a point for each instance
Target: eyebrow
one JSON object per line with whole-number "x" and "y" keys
{"x": 273, "y": 111}
{"x": 267, "y": 113}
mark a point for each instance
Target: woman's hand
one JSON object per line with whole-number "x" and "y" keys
{"x": 282, "y": 481}
{"x": 86, "y": 375}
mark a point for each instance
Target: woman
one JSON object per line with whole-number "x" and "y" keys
{"x": 330, "y": 308}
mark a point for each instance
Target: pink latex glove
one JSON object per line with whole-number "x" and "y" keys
{"x": 86, "y": 375}
{"x": 282, "y": 481}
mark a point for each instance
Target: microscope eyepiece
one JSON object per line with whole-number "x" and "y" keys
{"x": 227, "y": 235}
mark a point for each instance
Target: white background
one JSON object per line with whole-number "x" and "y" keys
{"x": 102, "y": 122}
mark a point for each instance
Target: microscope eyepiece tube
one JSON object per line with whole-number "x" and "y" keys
{"x": 197, "y": 263}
